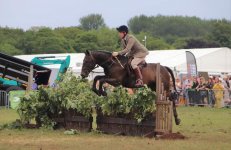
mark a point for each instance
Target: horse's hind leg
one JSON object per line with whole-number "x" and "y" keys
{"x": 177, "y": 120}
{"x": 173, "y": 98}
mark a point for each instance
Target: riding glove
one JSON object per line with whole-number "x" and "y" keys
{"x": 115, "y": 54}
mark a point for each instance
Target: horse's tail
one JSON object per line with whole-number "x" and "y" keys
{"x": 173, "y": 78}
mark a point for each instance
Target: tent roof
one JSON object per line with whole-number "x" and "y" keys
{"x": 208, "y": 59}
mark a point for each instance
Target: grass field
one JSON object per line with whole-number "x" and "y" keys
{"x": 205, "y": 128}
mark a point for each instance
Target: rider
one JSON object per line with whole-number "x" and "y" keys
{"x": 133, "y": 49}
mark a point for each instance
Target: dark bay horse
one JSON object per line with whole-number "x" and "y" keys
{"x": 116, "y": 73}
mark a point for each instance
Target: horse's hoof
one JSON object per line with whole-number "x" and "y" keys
{"x": 177, "y": 121}
{"x": 104, "y": 94}
{"x": 96, "y": 92}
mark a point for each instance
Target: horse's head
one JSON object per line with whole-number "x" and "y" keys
{"x": 88, "y": 64}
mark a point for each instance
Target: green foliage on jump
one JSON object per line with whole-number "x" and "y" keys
{"x": 119, "y": 103}
{"x": 46, "y": 103}
{"x": 73, "y": 93}
{"x": 38, "y": 104}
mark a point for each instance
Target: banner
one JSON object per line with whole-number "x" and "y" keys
{"x": 191, "y": 64}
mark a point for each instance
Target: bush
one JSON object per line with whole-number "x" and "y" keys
{"x": 48, "y": 103}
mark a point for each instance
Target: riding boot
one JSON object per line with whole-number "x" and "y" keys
{"x": 139, "y": 78}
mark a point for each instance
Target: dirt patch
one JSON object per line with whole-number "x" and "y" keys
{"x": 172, "y": 136}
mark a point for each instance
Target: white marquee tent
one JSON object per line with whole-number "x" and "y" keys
{"x": 208, "y": 59}
{"x": 212, "y": 60}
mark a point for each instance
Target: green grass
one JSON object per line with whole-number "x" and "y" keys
{"x": 205, "y": 128}
{"x": 7, "y": 115}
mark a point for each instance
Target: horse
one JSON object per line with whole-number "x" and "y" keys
{"x": 117, "y": 72}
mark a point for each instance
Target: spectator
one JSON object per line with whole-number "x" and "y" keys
{"x": 226, "y": 86}
{"x": 185, "y": 86}
{"x": 192, "y": 93}
{"x": 218, "y": 91}
{"x": 209, "y": 87}
{"x": 230, "y": 87}
{"x": 210, "y": 84}
{"x": 195, "y": 83}
{"x": 178, "y": 85}
{"x": 181, "y": 99}
{"x": 229, "y": 103}
{"x": 202, "y": 91}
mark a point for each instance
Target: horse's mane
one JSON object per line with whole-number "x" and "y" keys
{"x": 120, "y": 57}
{"x": 101, "y": 51}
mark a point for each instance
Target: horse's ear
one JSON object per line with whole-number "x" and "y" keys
{"x": 87, "y": 52}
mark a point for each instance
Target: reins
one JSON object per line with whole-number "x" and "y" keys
{"x": 109, "y": 59}
{"x": 119, "y": 62}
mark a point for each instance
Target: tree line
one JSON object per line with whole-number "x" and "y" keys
{"x": 162, "y": 32}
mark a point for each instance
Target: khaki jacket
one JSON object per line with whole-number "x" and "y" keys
{"x": 132, "y": 47}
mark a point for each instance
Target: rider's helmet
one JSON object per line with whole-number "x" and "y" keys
{"x": 122, "y": 28}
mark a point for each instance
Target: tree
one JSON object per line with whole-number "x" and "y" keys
{"x": 179, "y": 43}
{"x": 153, "y": 43}
{"x": 70, "y": 34}
{"x": 9, "y": 39}
{"x": 163, "y": 32}
{"x": 9, "y": 49}
{"x": 200, "y": 43}
{"x": 92, "y": 21}
{"x": 44, "y": 40}
{"x": 140, "y": 23}
{"x": 170, "y": 26}
{"x": 86, "y": 41}
{"x": 27, "y": 42}
{"x": 107, "y": 39}
{"x": 222, "y": 33}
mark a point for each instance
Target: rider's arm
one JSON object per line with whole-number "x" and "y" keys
{"x": 129, "y": 46}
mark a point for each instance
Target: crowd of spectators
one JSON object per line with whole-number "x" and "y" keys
{"x": 215, "y": 91}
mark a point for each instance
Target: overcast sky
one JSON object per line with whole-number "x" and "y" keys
{"x": 58, "y": 13}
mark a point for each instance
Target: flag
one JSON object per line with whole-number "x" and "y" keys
{"x": 191, "y": 64}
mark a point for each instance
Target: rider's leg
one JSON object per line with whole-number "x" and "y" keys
{"x": 139, "y": 78}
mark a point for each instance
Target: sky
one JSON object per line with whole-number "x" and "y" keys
{"x": 59, "y": 13}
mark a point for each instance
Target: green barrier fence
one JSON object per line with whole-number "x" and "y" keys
{"x": 14, "y": 98}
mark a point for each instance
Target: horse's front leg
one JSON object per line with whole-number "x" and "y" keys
{"x": 97, "y": 78}
{"x": 110, "y": 81}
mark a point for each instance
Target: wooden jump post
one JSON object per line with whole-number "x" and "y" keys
{"x": 164, "y": 110}
{"x": 30, "y": 79}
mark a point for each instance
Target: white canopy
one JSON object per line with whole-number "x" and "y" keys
{"x": 208, "y": 59}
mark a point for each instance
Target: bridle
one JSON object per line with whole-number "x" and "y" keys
{"x": 106, "y": 67}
